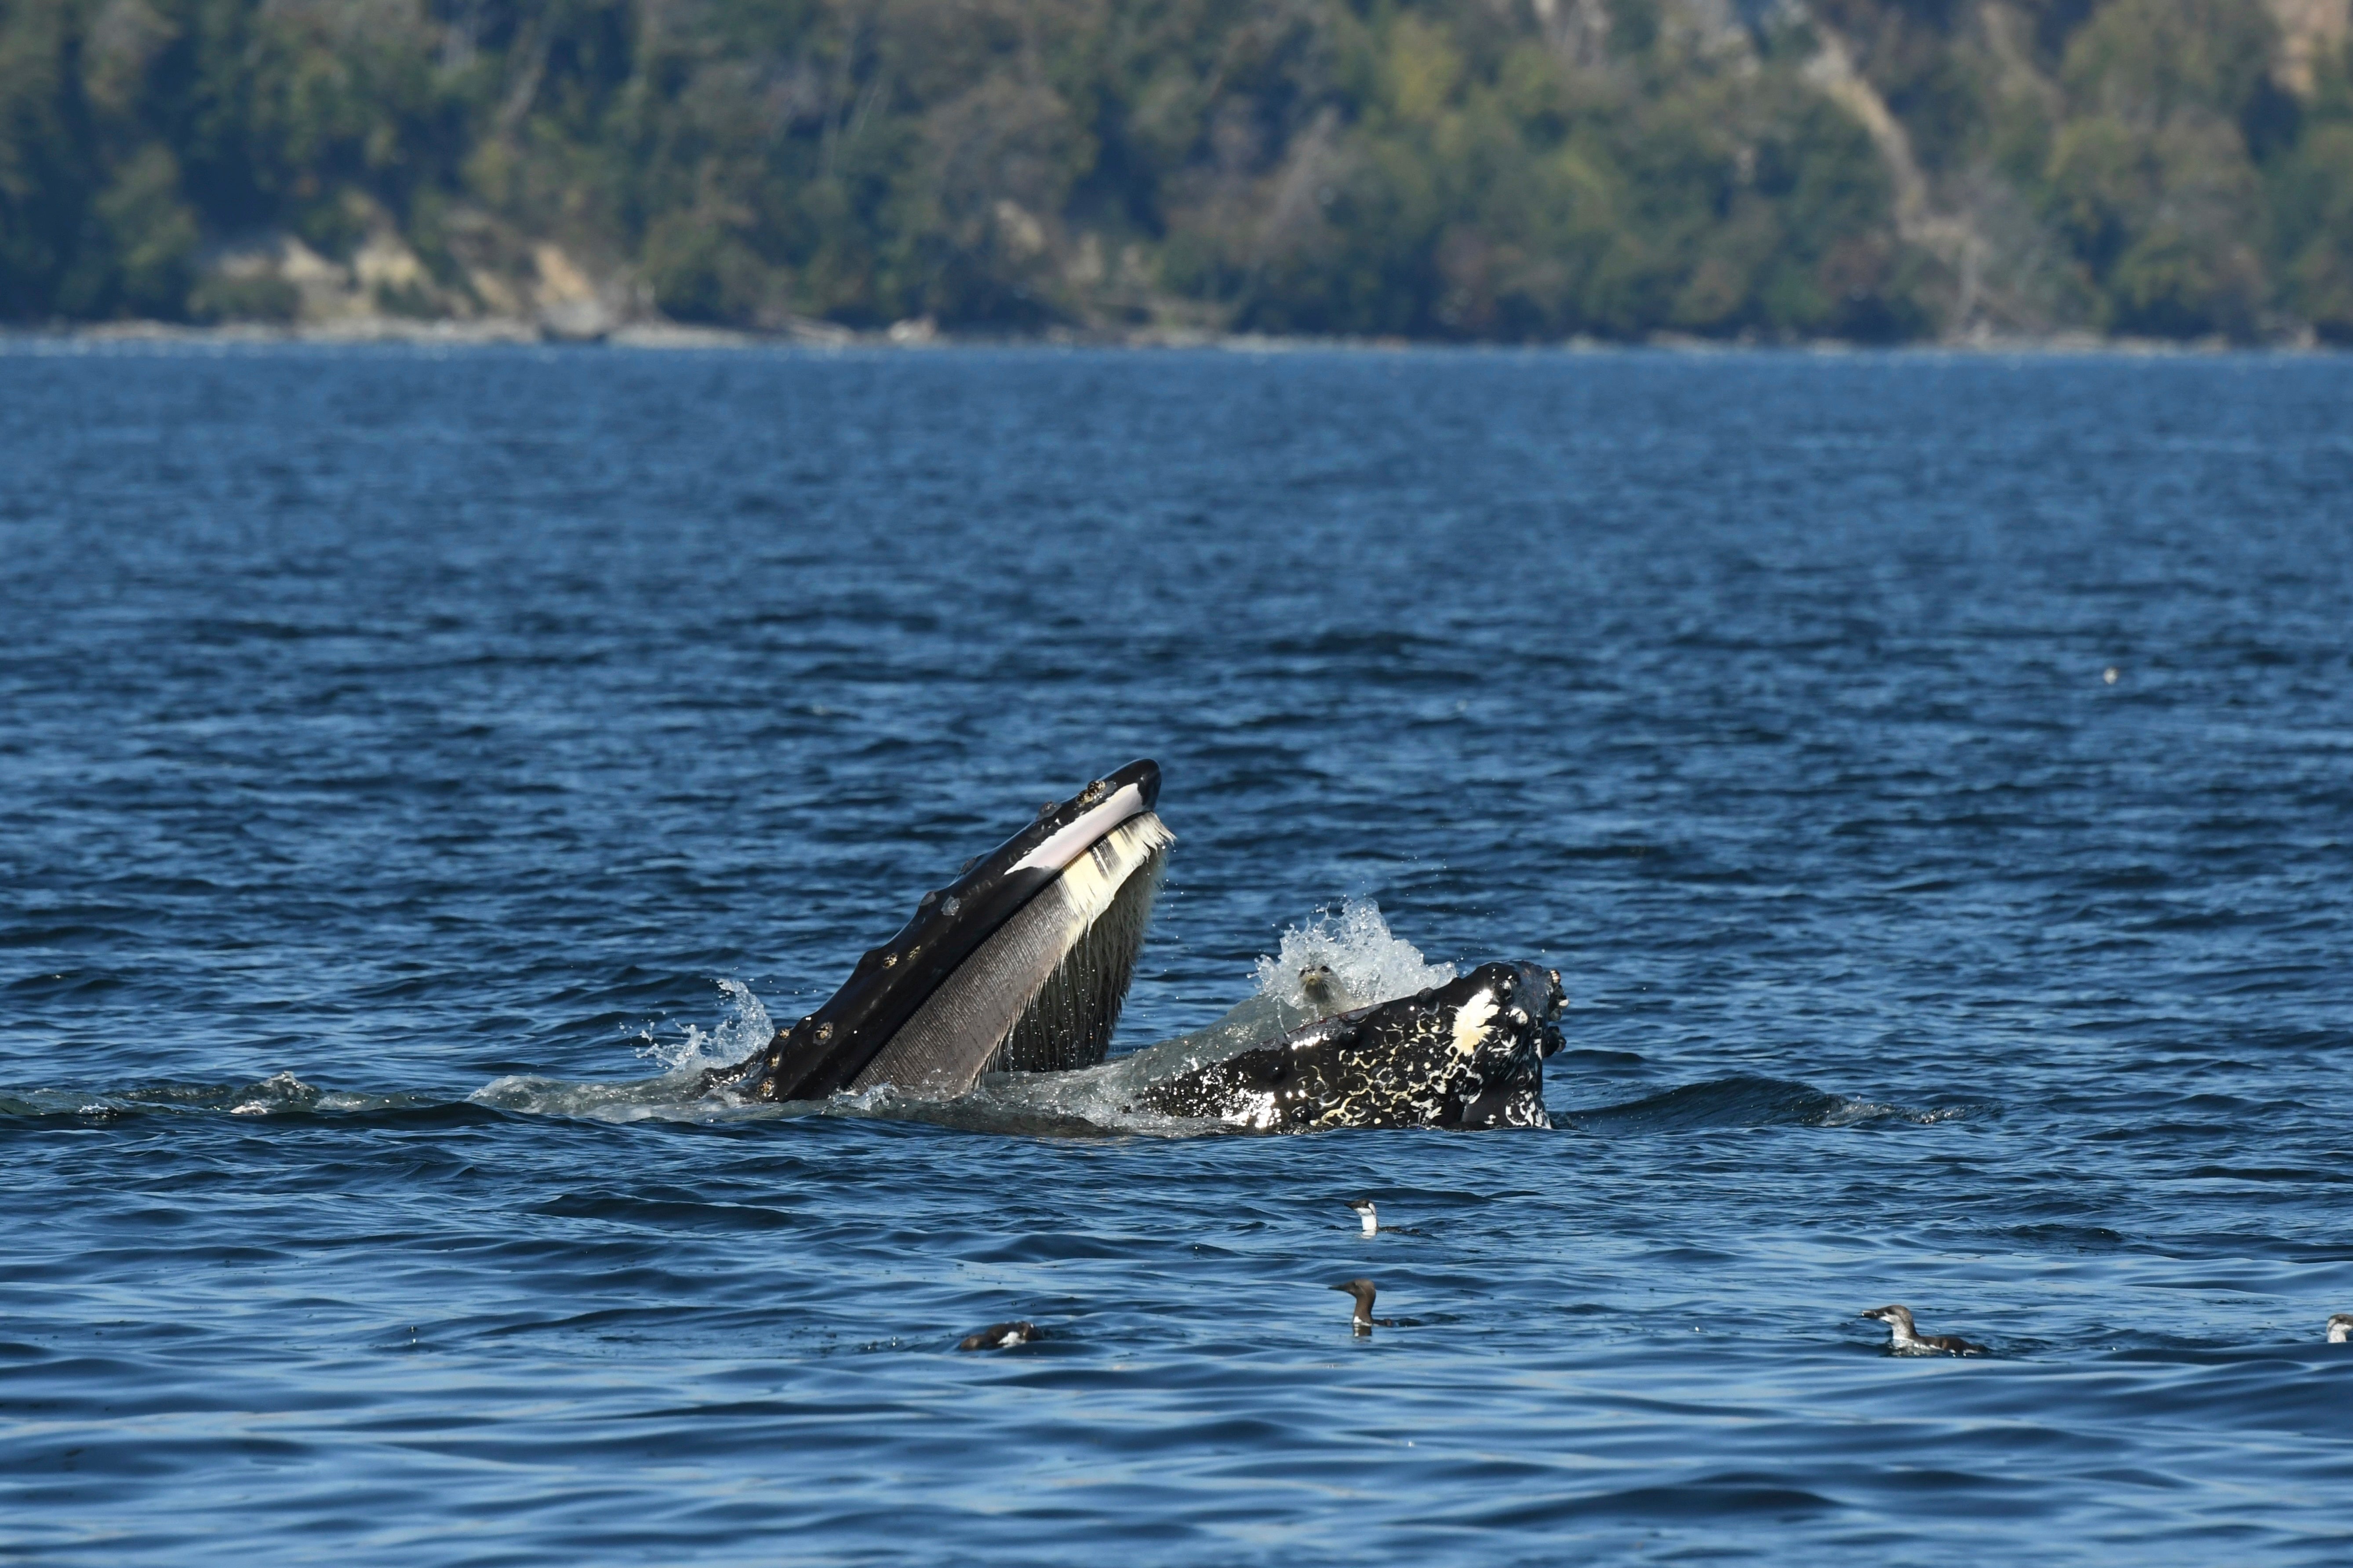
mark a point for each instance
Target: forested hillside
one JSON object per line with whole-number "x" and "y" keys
{"x": 1478, "y": 169}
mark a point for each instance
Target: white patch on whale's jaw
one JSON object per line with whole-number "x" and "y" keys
{"x": 1471, "y": 1022}
{"x": 1063, "y": 848}
{"x": 1256, "y": 1111}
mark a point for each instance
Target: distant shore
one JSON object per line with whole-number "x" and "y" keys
{"x": 918, "y": 337}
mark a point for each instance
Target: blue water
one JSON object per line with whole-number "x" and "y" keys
{"x": 402, "y": 758}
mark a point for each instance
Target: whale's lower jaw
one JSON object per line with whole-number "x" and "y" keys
{"x": 1020, "y": 965}
{"x": 1469, "y": 1054}
{"x": 1043, "y": 993}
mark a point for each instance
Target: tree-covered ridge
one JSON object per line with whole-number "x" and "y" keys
{"x": 1512, "y": 169}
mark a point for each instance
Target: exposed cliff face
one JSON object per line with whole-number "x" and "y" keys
{"x": 276, "y": 278}
{"x": 2163, "y": 167}
{"x": 2312, "y": 33}
{"x": 1998, "y": 271}
{"x": 1517, "y": 169}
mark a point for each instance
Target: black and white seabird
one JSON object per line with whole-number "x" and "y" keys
{"x": 1366, "y": 1211}
{"x": 1002, "y": 1336}
{"x": 2340, "y": 1327}
{"x": 1362, "y": 1289}
{"x": 1905, "y": 1340}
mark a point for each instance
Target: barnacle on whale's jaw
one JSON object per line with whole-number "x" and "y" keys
{"x": 1468, "y": 1054}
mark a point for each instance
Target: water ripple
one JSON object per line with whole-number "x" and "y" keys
{"x": 416, "y": 768}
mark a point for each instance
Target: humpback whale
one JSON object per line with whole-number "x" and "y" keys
{"x": 1022, "y": 962}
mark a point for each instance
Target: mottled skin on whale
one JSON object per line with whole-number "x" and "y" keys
{"x": 1022, "y": 962}
{"x": 1465, "y": 1055}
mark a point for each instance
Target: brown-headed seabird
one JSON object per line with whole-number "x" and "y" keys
{"x": 1362, "y": 1289}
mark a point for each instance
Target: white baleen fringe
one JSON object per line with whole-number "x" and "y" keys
{"x": 1092, "y": 881}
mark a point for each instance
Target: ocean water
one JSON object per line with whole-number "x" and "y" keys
{"x": 1932, "y": 776}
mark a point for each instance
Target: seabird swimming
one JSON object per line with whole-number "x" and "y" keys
{"x": 2340, "y": 1327}
{"x": 1366, "y": 1211}
{"x": 1002, "y": 1336}
{"x": 1362, "y": 1289}
{"x": 1905, "y": 1340}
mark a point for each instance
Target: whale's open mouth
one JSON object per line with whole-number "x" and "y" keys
{"x": 1045, "y": 988}
{"x": 1020, "y": 965}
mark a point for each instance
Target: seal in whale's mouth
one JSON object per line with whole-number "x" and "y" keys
{"x": 1020, "y": 964}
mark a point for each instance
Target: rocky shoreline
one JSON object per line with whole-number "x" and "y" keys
{"x": 655, "y": 333}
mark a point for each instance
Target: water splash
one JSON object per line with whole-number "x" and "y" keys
{"x": 675, "y": 1093}
{"x": 1368, "y": 963}
{"x": 279, "y": 1091}
{"x": 745, "y": 1028}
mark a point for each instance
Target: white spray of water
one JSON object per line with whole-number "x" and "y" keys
{"x": 675, "y": 1094}
{"x": 279, "y": 1091}
{"x": 744, "y": 1028}
{"x": 1367, "y": 962}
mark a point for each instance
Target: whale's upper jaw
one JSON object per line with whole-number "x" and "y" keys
{"x": 1468, "y": 1054}
{"x": 1105, "y": 838}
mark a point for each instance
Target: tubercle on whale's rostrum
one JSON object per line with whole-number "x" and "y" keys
{"x": 824, "y": 1051}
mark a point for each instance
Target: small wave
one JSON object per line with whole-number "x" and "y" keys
{"x": 279, "y": 1091}
{"x": 280, "y": 1094}
{"x": 673, "y": 1097}
{"x": 1750, "y": 1101}
{"x": 676, "y": 1093}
